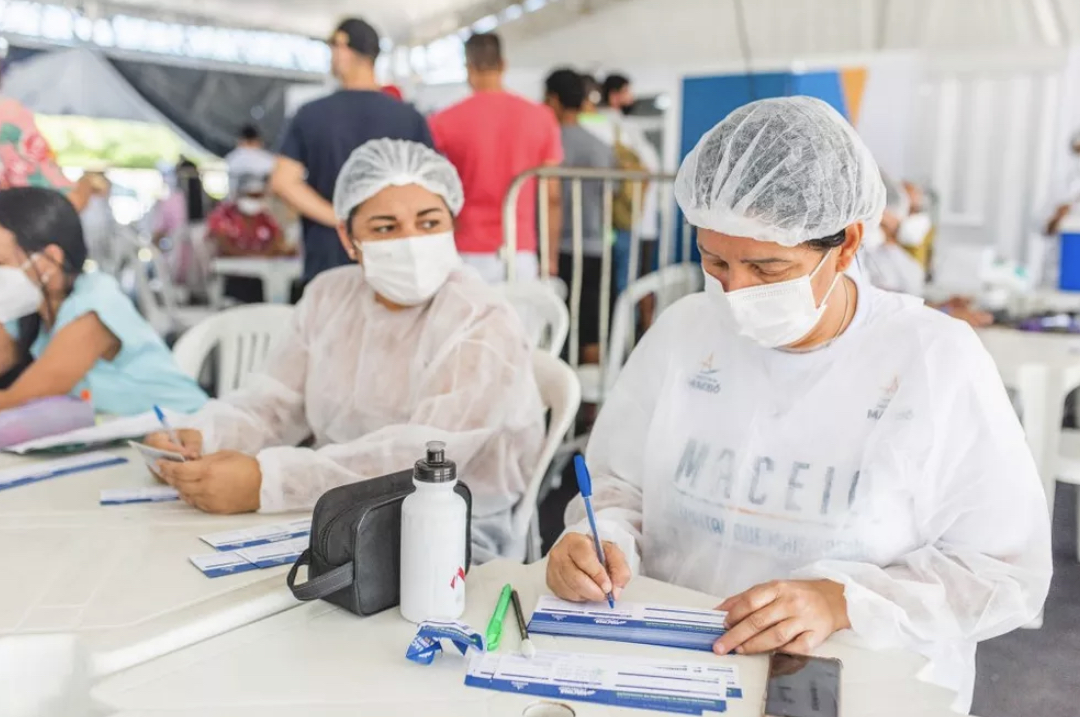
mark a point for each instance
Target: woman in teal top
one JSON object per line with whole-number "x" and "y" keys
{"x": 80, "y": 329}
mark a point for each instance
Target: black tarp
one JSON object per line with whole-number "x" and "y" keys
{"x": 210, "y": 105}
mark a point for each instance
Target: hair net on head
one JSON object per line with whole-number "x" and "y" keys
{"x": 783, "y": 170}
{"x": 383, "y": 163}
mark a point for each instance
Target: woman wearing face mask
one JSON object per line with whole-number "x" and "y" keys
{"x": 407, "y": 347}
{"x": 825, "y": 455}
{"x": 80, "y": 329}
{"x": 245, "y": 227}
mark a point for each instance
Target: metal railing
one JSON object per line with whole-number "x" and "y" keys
{"x": 610, "y": 178}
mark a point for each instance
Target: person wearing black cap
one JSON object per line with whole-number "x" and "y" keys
{"x": 324, "y": 133}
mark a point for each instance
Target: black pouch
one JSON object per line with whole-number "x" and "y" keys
{"x": 354, "y": 558}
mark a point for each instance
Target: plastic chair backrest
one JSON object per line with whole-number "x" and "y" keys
{"x": 544, "y": 314}
{"x": 1040, "y": 403}
{"x": 668, "y": 285}
{"x": 243, "y": 336}
{"x": 560, "y": 393}
{"x": 153, "y": 288}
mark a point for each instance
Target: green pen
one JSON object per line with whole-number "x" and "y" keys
{"x": 494, "y": 628}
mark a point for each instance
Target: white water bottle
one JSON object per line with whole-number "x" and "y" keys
{"x": 433, "y": 525}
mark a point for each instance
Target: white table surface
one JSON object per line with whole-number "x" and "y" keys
{"x": 277, "y": 273}
{"x": 320, "y": 661}
{"x": 119, "y": 577}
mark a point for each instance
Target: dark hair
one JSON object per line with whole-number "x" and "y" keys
{"x": 190, "y": 183}
{"x": 483, "y": 51}
{"x": 567, "y": 86}
{"x": 613, "y": 83}
{"x": 250, "y": 133}
{"x": 39, "y": 217}
{"x": 830, "y": 242}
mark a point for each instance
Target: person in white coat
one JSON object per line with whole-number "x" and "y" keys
{"x": 409, "y": 347}
{"x": 826, "y": 455}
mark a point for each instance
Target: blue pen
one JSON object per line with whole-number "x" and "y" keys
{"x": 165, "y": 424}
{"x": 584, "y": 483}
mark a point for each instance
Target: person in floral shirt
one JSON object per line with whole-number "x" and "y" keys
{"x": 244, "y": 226}
{"x": 26, "y": 160}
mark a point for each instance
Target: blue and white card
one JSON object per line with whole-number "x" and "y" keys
{"x": 44, "y": 470}
{"x": 146, "y": 494}
{"x": 663, "y": 685}
{"x": 258, "y": 535}
{"x": 230, "y": 562}
{"x": 648, "y": 624}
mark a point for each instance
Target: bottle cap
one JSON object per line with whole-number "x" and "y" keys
{"x": 435, "y": 468}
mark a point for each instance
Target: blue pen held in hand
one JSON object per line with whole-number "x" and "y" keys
{"x": 165, "y": 424}
{"x": 584, "y": 483}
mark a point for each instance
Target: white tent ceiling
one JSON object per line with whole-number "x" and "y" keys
{"x": 638, "y": 33}
{"x": 397, "y": 19}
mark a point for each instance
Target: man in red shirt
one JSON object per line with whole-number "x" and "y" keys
{"x": 490, "y": 138}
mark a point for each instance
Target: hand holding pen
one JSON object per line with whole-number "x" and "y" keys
{"x": 575, "y": 569}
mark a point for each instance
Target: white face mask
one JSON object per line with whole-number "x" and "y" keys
{"x": 250, "y": 206}
{"x": 873, "y": 237}
{"x": 409, "y": 271}
{"x": 914, "y": 228}
{"x": 773, "y": 315}
{"x": 19, "y": 295}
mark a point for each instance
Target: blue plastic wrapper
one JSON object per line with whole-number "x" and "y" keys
{"x": 428, "y": 640}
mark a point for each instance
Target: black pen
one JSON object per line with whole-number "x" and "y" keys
{"x": 527, "y": 648}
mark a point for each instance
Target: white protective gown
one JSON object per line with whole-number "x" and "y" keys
{"x": 374, "y": 386}
{"x": 889, "y": 461}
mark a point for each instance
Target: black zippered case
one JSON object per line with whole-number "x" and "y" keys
{"x": 354, "y": 557}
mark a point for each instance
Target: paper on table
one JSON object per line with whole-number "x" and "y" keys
{"x": 666, "y": 685}
{"x": 148, "y": 494}
{"x": 259, "y": 535}
{"x": 228, "y": 562}
{"x": 118, "y": 430}
{"x": 39, "y": 471}
{"x": 665, "y": 625}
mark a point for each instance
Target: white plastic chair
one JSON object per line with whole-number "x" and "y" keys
{"x": 243, "y": 335}
{"x": 544, "y": 314}
{"x": 561, "y": 395}
{"x": 668, "y": 285}
{"x": 156, "y": 297}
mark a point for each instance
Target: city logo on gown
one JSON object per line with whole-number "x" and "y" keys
{"x": 459, "y": 575}
{"x": 705, "y": 379}
{"x": 887, "y": 395}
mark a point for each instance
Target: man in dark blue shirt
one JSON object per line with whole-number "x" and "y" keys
{"x": 325, "y": 132}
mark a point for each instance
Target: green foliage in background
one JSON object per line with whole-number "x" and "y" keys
{"x": 85, "y": 141}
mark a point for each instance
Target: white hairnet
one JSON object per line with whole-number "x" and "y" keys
{"x": 460, "y": 372}
{"x": 383, "y": 163}
{"x": 784, "y": 170}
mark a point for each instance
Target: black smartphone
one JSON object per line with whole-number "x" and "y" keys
{"x": 802, "y": 686}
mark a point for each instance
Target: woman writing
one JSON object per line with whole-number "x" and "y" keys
{"x": 828, "y": 455}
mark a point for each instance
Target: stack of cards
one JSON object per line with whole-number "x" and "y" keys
{"x": 663, "y": 685}
{"x": 229, "y": 562}
{"x": 662, "y": 625}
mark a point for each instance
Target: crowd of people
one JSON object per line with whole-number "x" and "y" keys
{"x": 828, "y": 454}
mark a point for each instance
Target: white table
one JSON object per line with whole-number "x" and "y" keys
{"x": 118, "y": 577}
{"x": 277, "y": 273}
{"x": 320, "y": 661}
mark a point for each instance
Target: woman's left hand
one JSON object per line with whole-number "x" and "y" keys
{"x": 224, "y": 482}
{"x": 790, "y": 615}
